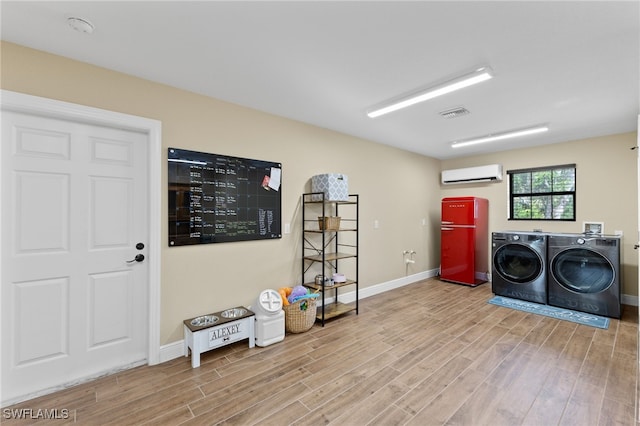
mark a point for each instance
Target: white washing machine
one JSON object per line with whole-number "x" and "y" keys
{"x": 518, "y": 267}
{"x": 584, "y": 273}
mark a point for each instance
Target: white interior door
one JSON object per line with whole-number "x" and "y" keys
{"x": 74, "y": 300}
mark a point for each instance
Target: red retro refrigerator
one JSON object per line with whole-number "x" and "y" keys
{"x": 464, "y": 244}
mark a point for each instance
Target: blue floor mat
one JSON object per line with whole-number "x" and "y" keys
{"x": 551, "y": 311}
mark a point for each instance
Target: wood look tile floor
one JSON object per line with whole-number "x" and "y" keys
{"x": 431, "y": 353}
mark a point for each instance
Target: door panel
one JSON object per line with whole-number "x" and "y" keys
{"x": 111, "y": 152}
{"x": 457, "y": 254}
{"x": 35, "y": 194}
{"x": 72, "y": 306}
{"x": 459, "y": 212}
{"x": 110, "y": 308}
{"x": 40, "y": 310}
{"x": 42, "y": 143}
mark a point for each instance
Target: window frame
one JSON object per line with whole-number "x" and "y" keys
{"x": 512, "y": 196}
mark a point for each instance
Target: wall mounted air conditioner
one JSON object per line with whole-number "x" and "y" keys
{"x": 489, "y": 173}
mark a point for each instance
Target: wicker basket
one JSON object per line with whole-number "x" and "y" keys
{"x": 329, "y": 223}
{"x": 300, "y": 316}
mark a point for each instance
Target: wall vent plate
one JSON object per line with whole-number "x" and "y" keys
{"x": 454, "y": 112}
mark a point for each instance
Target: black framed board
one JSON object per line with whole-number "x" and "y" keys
{"x": 217, "y": 198}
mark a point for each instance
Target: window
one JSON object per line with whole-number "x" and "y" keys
{"x": 544, "y": 193}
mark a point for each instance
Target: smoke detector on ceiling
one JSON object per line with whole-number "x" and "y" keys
{"x": 81, "y": 25}
{"x": 454, "y": 112}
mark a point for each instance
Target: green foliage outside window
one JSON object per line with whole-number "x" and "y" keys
{"x": 543, "y": 193}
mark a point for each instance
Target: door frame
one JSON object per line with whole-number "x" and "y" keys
{"x": 51, "y": 108}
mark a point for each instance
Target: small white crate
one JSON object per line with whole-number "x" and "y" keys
{"x": 334, "y": 185}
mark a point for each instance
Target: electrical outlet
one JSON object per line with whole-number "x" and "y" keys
{"x": 376, "y": 224}
{"x": 287, "y": 228}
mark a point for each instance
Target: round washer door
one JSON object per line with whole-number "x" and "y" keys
{"x": 517, "y": 263}
{"x": 582, "y": 270}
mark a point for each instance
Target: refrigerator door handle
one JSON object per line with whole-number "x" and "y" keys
{"x": 446, "y": 229}
{"x": 446, "y": 222}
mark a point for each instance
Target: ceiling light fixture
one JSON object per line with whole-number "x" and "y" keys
{"x": 81, "y": 25}
{"x": 477, "y": 76}
{"x": 500, "y": 136}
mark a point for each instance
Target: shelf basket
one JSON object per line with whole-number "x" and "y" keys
{"x": 329, "y": 223}
{"x": 300, "y": 316}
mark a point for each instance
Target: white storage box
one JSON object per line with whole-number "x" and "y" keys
{"x": 269, "y": 329}
{"x": 269, "y": 318}
{"x": 334, "y": 185}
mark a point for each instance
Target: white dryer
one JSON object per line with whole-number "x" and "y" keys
{"x": 584, "y": 273}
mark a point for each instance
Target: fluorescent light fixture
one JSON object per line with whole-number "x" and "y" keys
{"x": 477, "y": 76}
{"x": 500, "y": 136}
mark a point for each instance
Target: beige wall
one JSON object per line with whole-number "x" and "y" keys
{"x": 606, "y": 184}
{"x": 397, "y": 188}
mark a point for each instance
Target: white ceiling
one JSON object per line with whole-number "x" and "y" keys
{"x": 572, "y": 65}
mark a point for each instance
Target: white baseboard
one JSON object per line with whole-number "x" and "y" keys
{"x": 172, "y": 351}
{"x": 628, "y": 299}
{"x": 175, "y": 349}
{"x": 386, "y": 286}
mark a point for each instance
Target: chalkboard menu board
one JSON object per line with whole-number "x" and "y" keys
{"x": 217, "y": 198}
